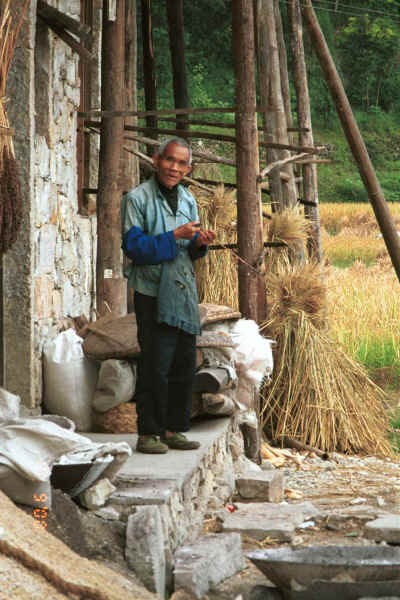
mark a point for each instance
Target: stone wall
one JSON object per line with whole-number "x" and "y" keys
{"x": 54, "y": 260}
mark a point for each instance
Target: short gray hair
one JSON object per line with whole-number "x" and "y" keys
{"x": 179, "y": 142}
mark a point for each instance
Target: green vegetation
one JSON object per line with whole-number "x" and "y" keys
{"x": 364, "y": 39}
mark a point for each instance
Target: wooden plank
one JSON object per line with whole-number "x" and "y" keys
{"x": 53, "y": 16}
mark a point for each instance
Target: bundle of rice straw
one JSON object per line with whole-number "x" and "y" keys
{"x": 318, "y": 396}
{"x": 217, "y": 274}
{"x": 10, "y": 189}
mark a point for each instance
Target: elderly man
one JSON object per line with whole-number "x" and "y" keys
{"x": 162, "y": 236}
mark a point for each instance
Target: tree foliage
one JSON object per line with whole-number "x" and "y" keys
{"x": 363, "y": 36}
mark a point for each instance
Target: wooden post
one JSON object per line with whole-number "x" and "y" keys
{"x": 285, "y": 85}
{"x": 177, "y": 47}
{"x": 131, "y": 162}
{"x": 263, "y": 69}
{"x": 252, "y": 294}
{"x": 310, "y": 178}
{"x": 275, "y": 114}
{"x": 111, "y": 286}
{"x": 149, "y": 72}
{"x": 353, "y": 136}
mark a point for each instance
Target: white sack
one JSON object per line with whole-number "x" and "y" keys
{"x": 252, "y": 352}
{"x": 69, "y": 379}
{"x": 9, "y": 405}
{"x": 116, "y": 384}
{"x": 31, "y": 447}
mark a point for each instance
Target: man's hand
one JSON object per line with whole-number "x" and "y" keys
{"x": 205, "y": 237}
{"x": 187, "y": 231}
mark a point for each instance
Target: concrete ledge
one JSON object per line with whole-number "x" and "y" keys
{"x": 181, "y": 483}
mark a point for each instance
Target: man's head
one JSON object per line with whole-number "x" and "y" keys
{"x": 173, "y": 161}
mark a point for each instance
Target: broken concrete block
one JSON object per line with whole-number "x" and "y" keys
{"x": 264, "y": 486}
{"x": 208, "y": 561}
{"x": 245, "y": 465}
{"x": 108, "y": 513}
{"x": 385, "y": 529}
{"x": 144, "y": 550}
{"x": 261, "y": 520}
{"x": 97, "y": 495}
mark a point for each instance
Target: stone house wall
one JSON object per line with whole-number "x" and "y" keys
{"x": 49, "y": 273}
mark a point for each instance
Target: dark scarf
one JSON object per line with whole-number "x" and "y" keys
{"x": 170, "y": 194}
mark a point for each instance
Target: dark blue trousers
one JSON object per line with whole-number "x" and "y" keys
{"x": 166, "y": 370}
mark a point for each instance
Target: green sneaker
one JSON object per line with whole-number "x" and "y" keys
{"x": 178, "y": 441}
{"x": 151, "y": 444}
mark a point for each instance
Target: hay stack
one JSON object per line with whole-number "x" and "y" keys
{"x": 10, "y": 189}
{"x": 318, "y": 396}
{"x": 217, "y": 274}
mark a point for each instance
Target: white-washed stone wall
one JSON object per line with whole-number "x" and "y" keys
{"x": 64, "y": 241}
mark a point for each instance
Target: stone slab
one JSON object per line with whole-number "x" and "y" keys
{"x": 261, "y": 520}
{"x": 384, "y": 529}
{"x": 265, "y": 486}
{"x": 141, "y": 492}
{"x": 144, "y": 550}
{"x": 208, "y": 561}
{"x": 176, "y": 464}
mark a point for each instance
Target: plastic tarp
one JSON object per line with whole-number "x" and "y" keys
{"x": 29, "y": 447}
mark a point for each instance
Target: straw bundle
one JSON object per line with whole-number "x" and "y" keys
{"x": 217, "y": 274}
{"x": 319, "y": 396}
{"x": 10, "y": 189}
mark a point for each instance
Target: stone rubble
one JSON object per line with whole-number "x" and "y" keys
{"x": 266, "y": 486}
{"x": 208, "y": 561}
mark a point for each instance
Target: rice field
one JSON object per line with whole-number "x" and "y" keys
{"x": 363, "y": 289}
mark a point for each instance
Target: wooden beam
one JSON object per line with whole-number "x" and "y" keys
{"x": 158, "y": 113}
{"x": 353, "y": 136}
{"x": 280, "y": 163}
{"x": 53, "y": 16}
{"x": 227, "y": 138}
{"x": 83, "y": 52}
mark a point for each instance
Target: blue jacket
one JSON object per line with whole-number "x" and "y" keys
{"x": 162, "y": 266}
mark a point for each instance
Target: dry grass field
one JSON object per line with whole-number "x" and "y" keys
{"x": 363, "y": 289}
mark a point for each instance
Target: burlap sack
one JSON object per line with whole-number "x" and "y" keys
{"x": 112, "y": 338}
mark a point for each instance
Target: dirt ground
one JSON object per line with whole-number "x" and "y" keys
{"x": 348, "y": 490}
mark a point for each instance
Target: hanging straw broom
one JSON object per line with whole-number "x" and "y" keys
{"x": 10, "y": 188}
{"x": 318, "y": 396}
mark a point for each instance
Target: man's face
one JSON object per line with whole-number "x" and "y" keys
{"x": 172, "y": 165}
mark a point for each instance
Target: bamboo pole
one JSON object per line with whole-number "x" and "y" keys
{"x": 251, "y": 275}
{"x": 309, "y": 170}
{"x": 353, "y": 136}
{"x": 110, "y": 284}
